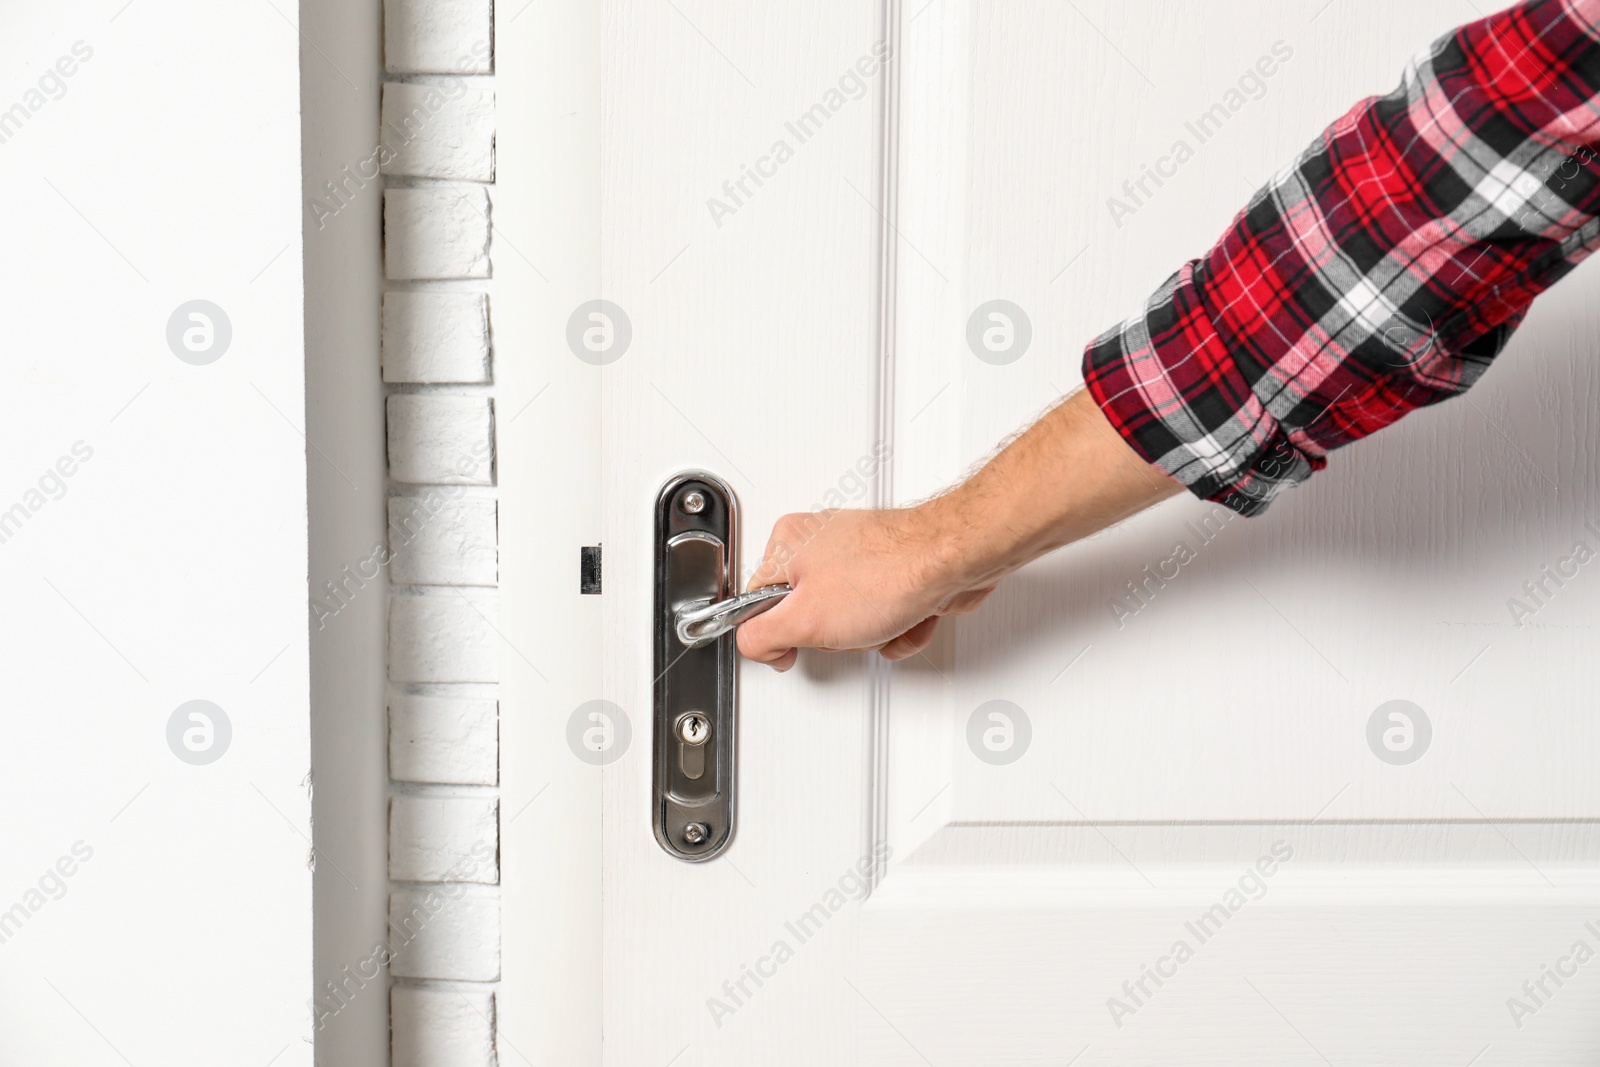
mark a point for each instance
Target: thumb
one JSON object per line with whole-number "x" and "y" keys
{"x": 770, "y": 636}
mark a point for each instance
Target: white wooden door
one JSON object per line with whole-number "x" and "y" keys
{"x": 1312, "y": 797}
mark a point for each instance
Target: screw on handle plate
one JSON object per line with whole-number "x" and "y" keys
{"x": 702, "y": 622}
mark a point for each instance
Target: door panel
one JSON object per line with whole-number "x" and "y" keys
{"x": 753, "y": 357}
{"x": 1214, "y": 727}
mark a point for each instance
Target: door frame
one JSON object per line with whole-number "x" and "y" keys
{"x": 547, "y": 224}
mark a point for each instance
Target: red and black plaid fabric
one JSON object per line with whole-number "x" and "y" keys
{"x": 1382, "y": 271}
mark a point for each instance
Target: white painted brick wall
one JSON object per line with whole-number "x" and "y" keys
{"x": 436, "y": 231}
{"x": 444, "y": 839}
{"x": 442, "y": 1027}
{"x": 435, "y": 337}
{"x": 451, "y": 544}
{"x": 446, "y": 636}
{"x": 437, "y": 36}
{"x": 445, "y": 931}
{"x": 450, "y": 740}
{"x": 439, "y": 131}
{"x": 444, "y": 650}
{"x": 441, "y": 440}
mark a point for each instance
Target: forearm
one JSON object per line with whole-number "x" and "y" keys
{"x": 1067, "y": 476}
{"x": 1248, "y": 365}
{"x": 881, "y": 579}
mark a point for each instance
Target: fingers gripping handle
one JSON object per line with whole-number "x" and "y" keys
{"x": 702, "y": 622}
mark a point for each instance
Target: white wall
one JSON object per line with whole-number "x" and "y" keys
{"x": 341, "y": 60}
{"x": 170, "y": 565}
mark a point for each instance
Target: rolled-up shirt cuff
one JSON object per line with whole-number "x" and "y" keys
{"x": 1169, "y": 386}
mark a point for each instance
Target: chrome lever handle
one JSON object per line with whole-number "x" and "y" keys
{"x": 701, "y": 622}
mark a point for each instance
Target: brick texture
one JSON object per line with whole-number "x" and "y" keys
{"x": 449, "y": 740}
{"x": 437, "y": 360}
{"x": 437, "y": 36}
{"x": 434, "y": 542}
{"x": 435, "y": 337}
{"x": 439, "y": 131}
{"x": 445, "y": 931}
{"x": 442, "y": 1027}
{"x": 444, "y": 839}
{"x": 441, "y": 440}
{"x": 448, "y": 636}
{"x": 436, "y": 232}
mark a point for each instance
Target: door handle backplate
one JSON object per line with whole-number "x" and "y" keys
{"x": 696, "y": 682}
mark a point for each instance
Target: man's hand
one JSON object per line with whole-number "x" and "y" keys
{"x": 862, "y": 580}
{"x": 881, "y": 579}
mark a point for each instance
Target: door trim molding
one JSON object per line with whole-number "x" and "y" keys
{"x": 876, "y": 830}
{"x": 926, "y": 302}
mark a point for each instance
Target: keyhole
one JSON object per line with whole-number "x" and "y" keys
{"x": 694, "y": 729}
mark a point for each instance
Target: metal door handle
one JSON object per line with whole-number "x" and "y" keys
{"x": 696, "y": 672}
{"x": 700, "y": 622}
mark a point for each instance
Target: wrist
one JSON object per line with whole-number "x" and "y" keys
{"x": 967, "y": 542}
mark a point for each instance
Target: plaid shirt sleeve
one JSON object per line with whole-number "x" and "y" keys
{"x": 1383, "y": 270}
